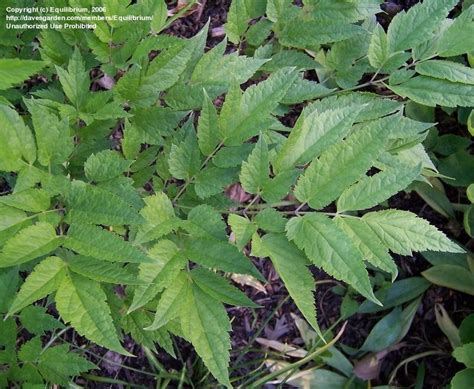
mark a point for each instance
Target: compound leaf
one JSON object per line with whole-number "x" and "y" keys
{"x": 205, "y": 323}
{"x": 94, "y": 241}
{"x": 30, "y": 243}
{"x": 105, "y": 165}
{"x": 255, "y": 171}
{"x": 418, "y": 24}
{"x": 329, "y": 247}
{"x": 368, "y": 243}
{"x": 43, "y": 280}
{"x": 292, "y": 266}
{"x": 82, "y": 302}
{"x": 14, "y": 71}
{"x": 338, "y": 167}
{"x": 372, "y": 190}
{"x": 219, "y": 288}
{"x": 434, "y": 91}
{"x": 403, "y": 231}
{"x": 57, "y": 364}
{"x": 446, "y": 70}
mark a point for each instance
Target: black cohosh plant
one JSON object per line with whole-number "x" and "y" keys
{"x": 146, "y": 208}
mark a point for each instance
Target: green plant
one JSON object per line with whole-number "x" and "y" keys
{"x": 462, "y": 342}
{"x": 128, "y": 186}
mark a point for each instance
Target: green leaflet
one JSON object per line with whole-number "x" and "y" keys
{"x": 215, "y": 68}
{"x": 185, "y": 159}
{"x": 43, "y": 280}
{"x": 254, "y": 172}
{"x": 99, "y": 243}
{"x": 105, "y": 165}
{"x": 82, "y": 302}
{"x": 101, "y": 271}
{"x": 244, "y": 116}
{"x": 154, "y": 277}
{"x": 14, "y": 71}
{"x": 284, "y": 58}
{"x": 370, "y": 246}
{"x": 75, "y": 81}
{"x": 221, "y": 255}
{"x": 159, "y": 218}
{"x": 465, "y": 354}
{"x": 35, "y": 319}
{"x": 58, "y": 364}
{"x": 91, "y": 204}
{"x": 165, "y": 69}
{"x": 279, "y": 186}
{"x": 303, "y": 90}
{"x": 159, "y": 16}
{"x": 213, "y": 180}
{"x": 207, "y": 130}
{"x": 328, "y": 247}
{"x": 433, "y": 91}
{"x": 31, "y": 200}
{"x": 171, "y": 302}
{"x": 447, "y": 70}
{"x": 317, "y": 32}
{"x": 378, "y": 49}
{"x": 205, "y": 323}
{"x": 236, "y": 20}
{"x": 144, "y": 122}
{"x": 232, "y": 156}
{"x": 123, "y": 188}
{"x": 347, "y": 161}
{"x": 30, "y": 243}
{"x": 270, "y": 220}
{"x": 16, "y": 141}
{"x": 373, "y": 106}
{"x": 242, "y": 228}
{"x": 135, "y": 324}
{"x": 372, "y": 190}
{"x": 214, "y": 226}
{"x": 456, "y": 39}
{"x": 403, "y": 231}
{"x": 52, "y": 134}
{"x": 292, "y": 266}
{"x": 313, "y": 133}
{"x": 220, "y": 289}
{"x": 418, "y": 24}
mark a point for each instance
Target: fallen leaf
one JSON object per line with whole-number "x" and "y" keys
{"x": 236, "y": 193}
{"x": 280, "y": 329}
{"x": 284, "y": 348}
{"x": 368, "y": 368}
{"x": 247, "y": 280}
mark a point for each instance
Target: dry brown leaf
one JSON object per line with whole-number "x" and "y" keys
{"x": 106, "y": 82}
{"x": 368, "y": 368}
{"x": 184, "y": 3}
{"x": 284, "y": 348}
{"x": 236, "y": 193}
{"x": 247, "y": 280}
